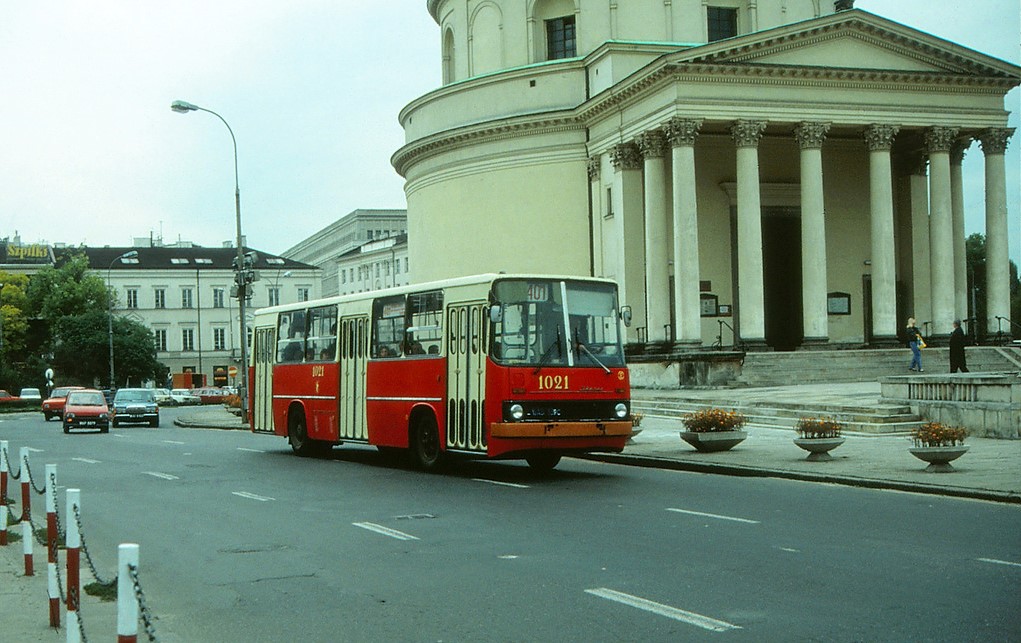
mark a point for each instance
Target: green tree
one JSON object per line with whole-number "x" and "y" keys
{"x": 975, "y": 250}
{"x": 13, "y": 329}
{"x": 81, "y": 351}
{"x": 68, "y": 289}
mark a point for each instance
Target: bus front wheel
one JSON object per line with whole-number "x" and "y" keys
{"x": 425, "y": 443}
{"x": 297, "y": 435}
{"x": 543, "y": 461}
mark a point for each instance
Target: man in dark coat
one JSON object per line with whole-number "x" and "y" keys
{"x": 957, "y": 340}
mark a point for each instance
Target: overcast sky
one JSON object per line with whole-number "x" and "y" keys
{"x": 91, "y": 153}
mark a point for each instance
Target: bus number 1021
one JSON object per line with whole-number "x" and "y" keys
{"x": 553, "y": 383}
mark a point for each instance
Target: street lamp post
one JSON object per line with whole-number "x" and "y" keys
{"x": 109, "y": 287}
{"x": 241, "y": 278}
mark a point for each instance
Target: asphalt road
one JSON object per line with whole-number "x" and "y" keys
{"x": 242, "y": 541}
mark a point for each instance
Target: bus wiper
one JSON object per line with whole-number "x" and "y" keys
{"x": 549, "y": 352}
{"x": 585, "y": 348}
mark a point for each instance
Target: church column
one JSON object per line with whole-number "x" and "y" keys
{"x": 957, "y": 151}
{"x": 687, "y": 308}
{"x": 810, "y": 136}
{"x": 941, "y": 240}
{"x": 921, "y": 280}
{"x": 994, "y": 146}
{"x": 596, "y": 208}
{"x": 879, "y": 139}
{"x": 627, "y": 219}
{"x": 657, "y": 255}
{"x": 751, "y": 304}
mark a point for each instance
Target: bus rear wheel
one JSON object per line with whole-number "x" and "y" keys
{"x": 543, "y": 461}
{"x": 425, "y": 444}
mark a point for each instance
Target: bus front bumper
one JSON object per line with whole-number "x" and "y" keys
{"x": 512, "y": 430}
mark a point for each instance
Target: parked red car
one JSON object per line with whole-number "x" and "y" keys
{"x": 86, "y": 409}
{"x": 53, "y": 406}
{"x": 209, "y": 395}
{"x": 6, "y": 398}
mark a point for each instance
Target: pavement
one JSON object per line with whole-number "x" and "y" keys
{"x": 990, "y": 470}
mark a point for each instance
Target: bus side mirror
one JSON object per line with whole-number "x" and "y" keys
{"x": 625, "y": 315}
{"x": 495, "y": 313}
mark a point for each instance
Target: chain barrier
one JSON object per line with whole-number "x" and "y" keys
{"x": 36, "y": 531}
{"x": 61, "y": 534}
{"x": 31, "y": 479}
{"x": 15, "y": 476}
{"x": 81, "y": 621}
{"x": 85, "y": 550}
{"x": 60, "y": 581}
{"x": 143, "y": 609}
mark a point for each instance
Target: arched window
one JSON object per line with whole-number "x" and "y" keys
{"x": 449, "y": 75}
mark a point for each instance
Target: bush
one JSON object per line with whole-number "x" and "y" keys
{"x": 713, "y": 419}
{"x": 232, "y": 401}
{"x": 819, "y": 428}
{"x": 937, "y": 434}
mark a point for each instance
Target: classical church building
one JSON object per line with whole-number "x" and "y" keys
{"x": 764, "y": 173}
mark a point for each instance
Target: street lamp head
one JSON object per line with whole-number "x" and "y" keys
{"x": 129, "y": 254}
{"x": 183, "y": 107}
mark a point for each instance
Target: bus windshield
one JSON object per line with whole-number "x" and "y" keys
{"x": 539, "y": 323}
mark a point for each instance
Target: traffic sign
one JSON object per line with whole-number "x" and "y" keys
{"x": 232, "y": 371}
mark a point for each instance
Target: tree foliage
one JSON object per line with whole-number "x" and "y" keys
{"x": 69, "y": 289}
{"x": 81, "y": 351}
{"x": 975, "y": 250}
{"x": 13, "y": 317}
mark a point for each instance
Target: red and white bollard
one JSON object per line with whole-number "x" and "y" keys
{"x": 127, "y": 602}
{"x": 73, "y": 543}
{"x": 52, "y": 586}
{"x": 26, "y": 513}
{"x": 3, "y": 492}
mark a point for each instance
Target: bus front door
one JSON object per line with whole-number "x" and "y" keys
{"x": 466, "y": 377}
{"x": 354, "y": 343}
{"x": 261, "y": 390}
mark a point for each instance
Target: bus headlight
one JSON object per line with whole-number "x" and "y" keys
{"x": 620, "y": 410}
{"x": 516, "y": 411}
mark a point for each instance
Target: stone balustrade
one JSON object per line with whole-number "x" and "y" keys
{"x": 987, "y": 404}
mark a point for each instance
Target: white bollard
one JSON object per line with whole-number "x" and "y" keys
{"x": 26, "y": 513}
{"x": 51, "y": 545}
{"x": 74, "y": 543}
{"x": 127, "y": 603}
{"x": 3, "y": 491}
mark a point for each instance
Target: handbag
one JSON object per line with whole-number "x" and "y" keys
{"x": 921, "y": 342}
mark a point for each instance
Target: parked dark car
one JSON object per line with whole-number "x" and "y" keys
{"x": 53, "y": 406}
{"x": 86, "y": 409}
{"x": 135, "y": 405}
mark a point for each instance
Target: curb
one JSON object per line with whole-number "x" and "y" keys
{"x": 761, "y": 472}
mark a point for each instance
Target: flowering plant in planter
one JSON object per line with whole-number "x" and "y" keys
{"x": 937, "y": 434}
{"x": 819, "y": 428}
{"x": 713, "y": 419}
{"x": 636, "y": 419}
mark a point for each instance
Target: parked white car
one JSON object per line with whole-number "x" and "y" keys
{"x": 162, "y": 396}
{"x": 184, "y": 397}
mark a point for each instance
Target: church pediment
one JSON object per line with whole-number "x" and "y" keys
{"x": 851, "y": 40}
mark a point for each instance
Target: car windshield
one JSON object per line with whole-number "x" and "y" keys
{"x": 60, "y": 392}
{"x": 561, "y": 323}
{"x": 86, "y": 399}
{"x": 134, "y": 396}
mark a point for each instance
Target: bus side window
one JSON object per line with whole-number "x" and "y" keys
{"x": 387, "y": 326}
{"x": 424, "y": 323}
{"x": 291, "y": 334}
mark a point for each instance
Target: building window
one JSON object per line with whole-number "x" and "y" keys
{"x": 405, "y": 264}
{"x": 302, "y": 294}
{"x": 560, "y": 38}
{"x": 161, "y": 298}
{"x": 343, "y": 276}
{"x": 721, "y": 22}
{"x": 186, "y": 298}
{"x": 219, "y": 339}
{"x": 160, "y": 335}
{"x": 187, "y": 339}
{"x": 132, "y": 298}
{"x": 274, "y": 296}
{"x": 218, "y": 298}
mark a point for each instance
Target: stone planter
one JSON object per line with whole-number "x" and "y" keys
{"x": 939, "y": 457}
{"x": 819, "y": 448}
{"x": 709, "y": 441}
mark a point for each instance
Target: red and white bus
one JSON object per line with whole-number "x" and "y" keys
{"x": 492, "y": 366}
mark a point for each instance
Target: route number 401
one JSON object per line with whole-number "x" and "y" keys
{"x": 553, "y": 383}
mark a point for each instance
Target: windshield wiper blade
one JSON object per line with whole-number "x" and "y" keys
{"x": 549, "y": 352}
{"x": 585, "y": 348}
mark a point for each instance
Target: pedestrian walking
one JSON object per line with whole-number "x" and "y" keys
{"x": 957, "y": 340}
{"x": 913, "y": 336}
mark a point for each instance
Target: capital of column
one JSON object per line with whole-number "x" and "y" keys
{"x": 626, "y": 156}
{"x": 940, "y": 139}
{"x": 652, "y": 144}
{"x": 880, "y": 137}
{"x": 682, "y": 131}
{"x": 747, "y": 133}
{"x": 811, "y": 134}
{"x": 994, "y": 141}
{"x": 595, "y": 165}
{"x": 958, "y": 149}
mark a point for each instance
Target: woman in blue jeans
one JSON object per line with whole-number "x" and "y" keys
{"x": 913, "y": 335}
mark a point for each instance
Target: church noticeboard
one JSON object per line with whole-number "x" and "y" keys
{"x": 838, "y": 303}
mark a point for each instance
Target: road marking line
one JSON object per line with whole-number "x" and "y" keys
{"x": 156, "y": 474}
{"x": 793, "y": 551}
{"x": 999, "y": 562}
{"x": 502, "y": 484}
{"x": 251, "y": 450}
{"x": 252, "y": 496}
{"x": 705, "y": 622}
{"x": 386, "y": 531}
{"x": 174, "y": 442}
{"x": 699, "y": 513}
{"x": 33, "y": 450}
{"x": 86, "y": 460}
